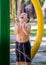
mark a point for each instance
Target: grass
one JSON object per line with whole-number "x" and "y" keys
{"x": 32, "y": 32}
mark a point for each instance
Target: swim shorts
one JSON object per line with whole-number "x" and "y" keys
{"x": 23, "y": 51}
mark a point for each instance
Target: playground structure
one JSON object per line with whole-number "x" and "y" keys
{"x": 40, "y": 27}
{"x": 5, "y": 38}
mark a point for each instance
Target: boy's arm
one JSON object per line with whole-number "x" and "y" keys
{"x": 26, "y": 29}
{"x": 16, "y": 29}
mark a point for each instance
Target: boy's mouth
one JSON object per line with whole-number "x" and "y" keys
{"x": 21, "y": 17}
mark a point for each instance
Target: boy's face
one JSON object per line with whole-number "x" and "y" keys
{"x": 23, "y": 17}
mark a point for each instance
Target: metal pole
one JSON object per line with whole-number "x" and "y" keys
{"x": 0, "y": 32}
{"x": 4, "y": 32}
{"x": 16, "y": 7}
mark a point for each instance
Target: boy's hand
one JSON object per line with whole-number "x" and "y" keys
{"x": 16, "y": 20}
{"x": 18, "y": 27}
{"x": 26, "y": 28}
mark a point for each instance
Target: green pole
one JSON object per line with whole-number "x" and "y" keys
{"x": 4, "y": 32}
{"x": 0, "y": 32}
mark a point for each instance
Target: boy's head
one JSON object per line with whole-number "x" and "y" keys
{"x": 24, "y": 17}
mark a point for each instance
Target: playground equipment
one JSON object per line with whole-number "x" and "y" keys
{"x": 13, "y": 10}
{"x": 39, "y": 35}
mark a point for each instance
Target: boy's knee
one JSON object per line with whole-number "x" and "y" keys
{"x": 27, "y": 63}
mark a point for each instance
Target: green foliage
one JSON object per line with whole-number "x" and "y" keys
{"x": 41, "y": 2}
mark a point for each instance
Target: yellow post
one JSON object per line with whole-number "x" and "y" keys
{"x": 18, "y": 7}
{"x": 40, "y": 30}
{"x": 13, "y": 10}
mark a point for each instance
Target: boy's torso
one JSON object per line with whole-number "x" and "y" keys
{"x": 22, "y": 37}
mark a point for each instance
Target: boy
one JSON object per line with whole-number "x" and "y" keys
{"x": 22, "y": 31}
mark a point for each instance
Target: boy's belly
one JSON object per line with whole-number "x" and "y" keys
{"x": 22, "y": 38}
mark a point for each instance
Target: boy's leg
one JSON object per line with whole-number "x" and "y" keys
{"x": 27, "y": 63}
{"x": 18, "y": 63}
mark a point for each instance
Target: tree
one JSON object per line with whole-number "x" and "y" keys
{"x": 41, "y": 2}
